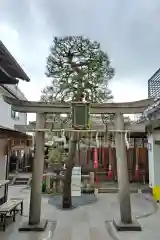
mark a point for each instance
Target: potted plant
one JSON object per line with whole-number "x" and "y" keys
{"x": 55, "y": 158}
{"x": 55, "y": 163}
{"x": 88, "y": 188}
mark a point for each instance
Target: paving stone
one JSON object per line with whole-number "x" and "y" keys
{"x": 85, "y": 222}
{"x": 99, "y": 234}
{"x": 62, "y": 234}
{"x": 80, "y": 231}
{"x": 77, "y": 201}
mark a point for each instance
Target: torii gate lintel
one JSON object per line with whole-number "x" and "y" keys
{"x": 95, "y": 108}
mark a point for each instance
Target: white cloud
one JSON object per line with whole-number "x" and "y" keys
{"x": 124, "y": 90}
{"x": 127, "y": 30}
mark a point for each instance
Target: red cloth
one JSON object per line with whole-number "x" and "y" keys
{"x": 95, "y": 158}
{"x": 96, "y": 161}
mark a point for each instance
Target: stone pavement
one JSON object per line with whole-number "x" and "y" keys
{"x": 86, "y": 222}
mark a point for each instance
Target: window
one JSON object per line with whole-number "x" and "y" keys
{"x": 14, "y": 114}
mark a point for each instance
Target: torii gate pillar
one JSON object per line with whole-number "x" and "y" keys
{"x": 126, "y": 223}
{"x": 35, "y": 223}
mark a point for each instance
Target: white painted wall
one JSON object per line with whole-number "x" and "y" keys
{"x": 154, "y": 159}
{"x": 151, "y": 160}
{"x": 5, "y": 117}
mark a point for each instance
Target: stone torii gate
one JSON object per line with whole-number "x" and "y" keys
{"x": 118, "y": 109}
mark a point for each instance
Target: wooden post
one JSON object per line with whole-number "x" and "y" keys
{"x": 92, "y": 178}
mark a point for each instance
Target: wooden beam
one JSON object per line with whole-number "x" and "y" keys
{"x": 7, "y": 135}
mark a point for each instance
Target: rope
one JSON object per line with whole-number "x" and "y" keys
{"x": 80, "y": 130}
{"x": 126, "y": 140}
{"x": 97, "y": 140}
{"x": 63, "y": 136}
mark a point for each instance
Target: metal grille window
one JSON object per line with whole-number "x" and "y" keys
{"x": 154, "y": 85}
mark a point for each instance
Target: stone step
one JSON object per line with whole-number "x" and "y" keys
{"x": 21, "y": 181}
{"x": 22, "y": 178}
{"x": 107, "y": 190}
{"x": 10, "y": 178}
{"x": 115, "y": 190}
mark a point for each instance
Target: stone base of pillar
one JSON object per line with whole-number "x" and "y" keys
{"x": 25, "y": 227}
{"x": 120, "y": 226}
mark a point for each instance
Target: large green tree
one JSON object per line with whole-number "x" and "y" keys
{"x": 77, "y": 66}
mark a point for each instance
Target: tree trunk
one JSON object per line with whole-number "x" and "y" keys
{"x": 67, "y": 200}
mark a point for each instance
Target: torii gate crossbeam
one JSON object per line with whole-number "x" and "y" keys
{"x": 95, "y": 108}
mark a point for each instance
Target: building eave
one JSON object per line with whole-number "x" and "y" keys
{"x": 10, "y": 65}
{"x": 6, "y": 79}
{"x": 9, "y": 91}
{"x": 8, "y": 132}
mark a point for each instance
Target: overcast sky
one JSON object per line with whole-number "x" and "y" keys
{"x": 129, "y": 31}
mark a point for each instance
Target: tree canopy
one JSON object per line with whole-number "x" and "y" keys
{"x": 77, "y": 66}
